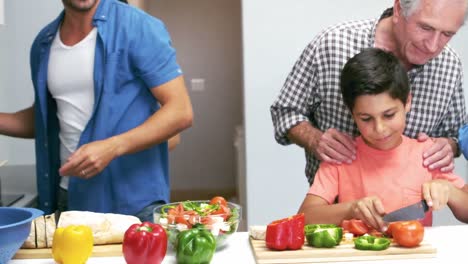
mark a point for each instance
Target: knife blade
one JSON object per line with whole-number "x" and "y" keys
{"x": 410, "y": 212}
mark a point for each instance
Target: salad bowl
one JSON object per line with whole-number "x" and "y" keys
{"x": 221, "y": 219}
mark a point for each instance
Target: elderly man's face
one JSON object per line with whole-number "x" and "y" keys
{"x": 426, "y": 31}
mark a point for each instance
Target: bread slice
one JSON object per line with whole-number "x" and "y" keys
{"x": 30, "y": 241}
{"x": 50, "y": 229}
{"x": 40, "y": 232}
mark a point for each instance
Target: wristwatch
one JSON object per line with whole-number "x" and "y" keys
{"x": 457, "y": 146}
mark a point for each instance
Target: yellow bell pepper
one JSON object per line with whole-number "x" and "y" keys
{"x": 72, "y": 244}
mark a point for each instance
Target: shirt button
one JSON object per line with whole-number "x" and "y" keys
{"x": 46, "y": 204}
{"x": 45, "y": 144}
{"x": 46, "y": 175}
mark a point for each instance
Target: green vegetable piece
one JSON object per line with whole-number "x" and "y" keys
{"x": 312, "y": 228}
{"x": 323, "y": 236}
{"x": 195, "y": 246}
{"x": 371, "y": 243}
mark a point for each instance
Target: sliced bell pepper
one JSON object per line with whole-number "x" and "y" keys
{"x": 323, "y": 235}
{"x": 286, "y": 233}
{"x": 195, "y": 246}
{"x": 371, "y": 243}
{"x": 144, "y": 243}
{"x": 72, "y": 244}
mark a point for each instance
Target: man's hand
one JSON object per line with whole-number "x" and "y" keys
{"x": 331, "y": 146}
{"x": 335, "y": 147}
{"x": 90, "y": 159}
{"x": 370, "y": 210}
{"x": 439, "y": 155}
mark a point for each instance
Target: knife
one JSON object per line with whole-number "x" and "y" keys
{"x": 410, "y": 212}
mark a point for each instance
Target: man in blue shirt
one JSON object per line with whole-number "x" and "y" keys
{"x": 108, "y": 95}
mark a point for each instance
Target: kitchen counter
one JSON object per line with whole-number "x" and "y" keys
{"x": 19, "y": 179}
{"x": 450, "y": 242}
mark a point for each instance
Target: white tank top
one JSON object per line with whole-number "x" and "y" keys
{"x": 71, "y": 83}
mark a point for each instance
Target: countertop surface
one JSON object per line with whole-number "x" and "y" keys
{"x": 19, "y": 179}
{"x": 450, "y": 242}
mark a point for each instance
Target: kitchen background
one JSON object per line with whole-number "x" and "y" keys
{"x": 235, "y": 55}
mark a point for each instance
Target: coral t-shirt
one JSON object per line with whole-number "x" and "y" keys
{"x": 395, "y": 176}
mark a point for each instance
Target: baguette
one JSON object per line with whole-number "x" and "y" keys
{"x": 107, "y": 228}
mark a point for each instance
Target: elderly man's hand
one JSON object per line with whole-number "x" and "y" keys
{"x": 439, "y": 155}
{"x": 335, "y": 147}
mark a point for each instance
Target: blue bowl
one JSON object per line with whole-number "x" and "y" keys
{"x": 15, "y": 225}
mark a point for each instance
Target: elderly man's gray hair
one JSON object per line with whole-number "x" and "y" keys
{"x": 409, "y": 6}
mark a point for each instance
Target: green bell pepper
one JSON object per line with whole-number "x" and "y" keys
{"x": 195, "y": 246}
{"x": 371, "y": 243}
{"x": 323, "y": 235}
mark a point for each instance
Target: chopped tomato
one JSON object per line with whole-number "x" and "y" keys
{"x": 345, "y": 225}
{"x": 218, "y": 200}
{"x": 190, "y": 213}
{"x": 223, "y": 211}
{"x": 355, "y": 226}
{"x": 407, "y": 233}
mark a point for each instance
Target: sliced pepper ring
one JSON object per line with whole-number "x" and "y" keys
{"x": 371, "y": 243}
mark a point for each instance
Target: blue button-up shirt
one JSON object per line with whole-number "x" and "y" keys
{"x": 133, "y": 54}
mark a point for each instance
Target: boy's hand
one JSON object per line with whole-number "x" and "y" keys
{"x": 370, "y": 210}
{"x": 439, "y": 155}
{"x": 436, "y": 193}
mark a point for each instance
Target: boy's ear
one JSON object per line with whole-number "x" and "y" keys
{"x": 408, "y": 103}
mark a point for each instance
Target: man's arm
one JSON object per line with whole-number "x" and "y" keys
{"x": 173, "y": 142}
{"x": 174, "y": 116}
{"x": 441, "y": 154}
{"x": 19, "y": 124}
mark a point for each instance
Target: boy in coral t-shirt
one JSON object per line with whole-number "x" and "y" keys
{"x": 388, "y": 172}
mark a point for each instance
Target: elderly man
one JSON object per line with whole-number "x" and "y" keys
{"x": 309, "y": 110}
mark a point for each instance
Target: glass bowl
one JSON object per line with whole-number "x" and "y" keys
{"x": 179, "y": 216}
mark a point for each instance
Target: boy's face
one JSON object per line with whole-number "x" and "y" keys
{"x": 380, "y": 119}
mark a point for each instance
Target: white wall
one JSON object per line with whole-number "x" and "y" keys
{"x": 274, "y": 34}
{"x": 23, "y": 20}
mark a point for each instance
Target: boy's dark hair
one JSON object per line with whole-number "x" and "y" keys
{"x": 371, "y": 72}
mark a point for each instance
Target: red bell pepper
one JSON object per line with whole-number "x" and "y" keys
{"x": 286, "y": 233}
{"x": 144, "y": 243}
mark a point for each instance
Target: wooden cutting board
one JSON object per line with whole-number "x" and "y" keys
{"x": 41, "y": 253}
{"x": 343, "y": 252}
